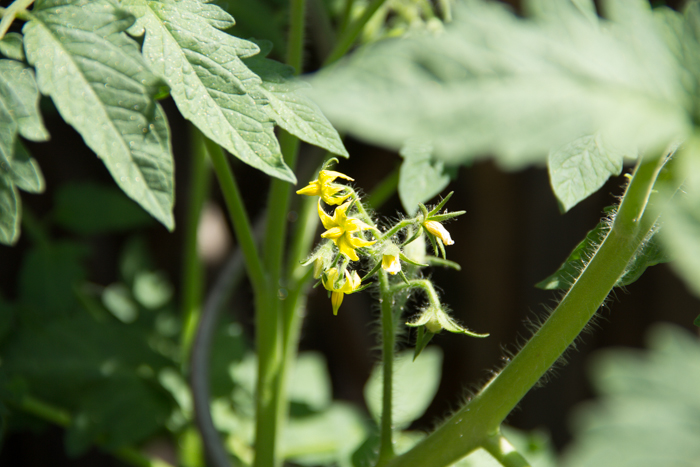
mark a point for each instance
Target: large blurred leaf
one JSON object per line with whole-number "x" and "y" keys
{"x": 102, "y": 371}
{"x": 579, "y": 168}
{"x": 88, "y": 208}
{"x": 649, "y": 410}
{"x": 47, "y": 280}
{"x": 324, "y": 439}
{"x": 515, "y": 87}
{"x": 210, "y": 84}
{"x": 415, "y": 385}
{"x": 101, "y": 86}
{"x": 420, "y": 177}
{"x": 290, "y": 109}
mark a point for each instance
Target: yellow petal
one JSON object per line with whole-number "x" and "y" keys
{"x": 346, "y": 247}
{"x": 439, "y": 231}
{"x": 336, "y": 301}
{"x": 312, "y": 189}
{"x": 333, "y": 233}
{"x": 391, "y": 264}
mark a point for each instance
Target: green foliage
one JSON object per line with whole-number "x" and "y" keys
{"x": 420, "y": 178}
{"x": 101, "y": 85}
{"x": 89, "y": 209}
{"x": 650, "y": 253}
{"x": 290, "y": 109}
{"x": 648, "y": 408}
{"x": 208, "y": 80}
{"x": 415, "y": 385}
{"x": 514, "y": 87}
{"x": 578, "y": 169}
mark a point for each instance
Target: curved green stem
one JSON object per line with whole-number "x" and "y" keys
{"x": 350, "y": 35}
{"x": 477, "y": 422}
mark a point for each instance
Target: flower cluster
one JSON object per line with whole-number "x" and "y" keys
{"x": 391, "y": 252}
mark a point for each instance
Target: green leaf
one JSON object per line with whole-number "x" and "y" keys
{"x": 496, "y": 83}
{"x": 420, "y": 177}
{"x": 310, "y": 382}
{"x": 20, "y": 97}
{"x": 680, "y": 219}
{"x": 9, "y": 212}
{"x": 564, "y": 277}
{"x": 208, "y": 80}
{"x": 104, "y": 372}
{"x": 87, "y": 208}
{"x": 324, "y": 439}
{"x": 101, "y": 86}
{"x": 647, "y": 412}
{"x": 415, "y": 386}
{"x": 11, "y": 46}
{"x": 579, "y": 168}
{"x": 650, "y": 253}
{"x": 25, "y": 172}
{"x": 291, "y": 109}
{"x": 47, "y": 278}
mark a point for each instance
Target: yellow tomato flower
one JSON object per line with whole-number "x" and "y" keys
{"x": 349, "y": 285}
{"x": 341, "y": 228}
{"x": 326, "y": 189}
{"x": 391, "y": 264}
{"x": 439, "y": 231}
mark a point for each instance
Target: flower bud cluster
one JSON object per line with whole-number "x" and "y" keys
{"x": 398, "y": 251}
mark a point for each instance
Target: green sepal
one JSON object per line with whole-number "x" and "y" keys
{"x": 437, "y": 261}
{"x": 447, "y": 215}
{"x": 441, "y": 204}
{"x": 423, "y": 337}
{"x": 373, "y": 271}
{"x": 411, "y": 262}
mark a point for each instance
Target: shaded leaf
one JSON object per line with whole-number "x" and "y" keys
{"x": 20, "y": 97}
{"x": 290, "y": 109}
{"x": 9, "y": 212}
{"x": 88, "y": 208}
{"x": 47, "y": 278}
{"x": 11, "y": 46}
{"x": 579, "y": 168}
{"x": 310, "y": 383}
{"x": 647, "y": 412}
{"x": 518, "y": 88}
{"x": 650, "y": 253}
{"x": 415, "y": 385}
{"x": 324, "y": 439}
{"x": 25, "y": 172}
{"x": 420, "y": 177}
{"x": 208, "y": 80}
{"x": 101, "y": 86}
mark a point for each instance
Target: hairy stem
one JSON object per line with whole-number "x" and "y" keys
{"x": 386, "y": 446}
{"x": 476, "y": 423}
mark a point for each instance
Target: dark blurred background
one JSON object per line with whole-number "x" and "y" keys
{"x": 511, "y": 237}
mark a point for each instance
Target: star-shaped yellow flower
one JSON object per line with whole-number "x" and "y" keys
{"x": 349, "y": 285}
{"x": 326, "y": 189}
{"x": 340, "y": 229}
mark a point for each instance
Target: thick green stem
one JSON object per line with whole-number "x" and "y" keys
{"x": 295, "y": 47}
{"x": 386, "y": 445}
{"x": 476, "y": 423}
{"x": 350, "y": 35}
{"x": 239, "y": 217}
{"x": 192, "y": 277}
